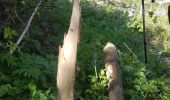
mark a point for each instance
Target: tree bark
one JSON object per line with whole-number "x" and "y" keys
{"x": 113, "y": 73}
{"x": 67, "y": 57}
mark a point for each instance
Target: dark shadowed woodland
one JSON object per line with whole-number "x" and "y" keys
{"x": 84, "y": 50}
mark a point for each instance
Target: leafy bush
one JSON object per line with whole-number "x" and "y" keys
{"x": 17, "y": 73}
{"x": 140, "y": 82}
{"x": 30, "y": 72}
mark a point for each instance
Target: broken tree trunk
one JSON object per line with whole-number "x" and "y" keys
{"x": 67, "y": 57}
{"x": 113, "y": 73}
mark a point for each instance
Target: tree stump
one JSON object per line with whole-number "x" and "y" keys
{"x": 113, "y": 72}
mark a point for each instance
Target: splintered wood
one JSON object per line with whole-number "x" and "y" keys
{"x": 67, "y": 57}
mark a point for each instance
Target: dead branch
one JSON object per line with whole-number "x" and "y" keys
{"x": 26, "y": 28}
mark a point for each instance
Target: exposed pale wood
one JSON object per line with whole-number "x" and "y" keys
{"x": 67, "y": 57}
{"x": 113, "y": 73}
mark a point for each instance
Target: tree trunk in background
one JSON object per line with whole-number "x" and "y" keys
{"x": 67, "y": 57}
{"x": 113, "y": 73}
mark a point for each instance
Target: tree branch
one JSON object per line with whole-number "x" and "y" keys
{"x": 26, "y": 28}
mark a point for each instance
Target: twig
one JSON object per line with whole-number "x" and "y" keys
{"x": 26, "y": 28}
{"x": 95, "y": 65}
{"x": 129, "y": 49}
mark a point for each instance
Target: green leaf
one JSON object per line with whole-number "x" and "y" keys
{"x": 137, "y": 87}
{"x": 102, "y": 72}
{"x": 9, "y": 33}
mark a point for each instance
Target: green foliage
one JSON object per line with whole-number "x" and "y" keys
{"x": 17, "y": 73}
{"x": 30, "y": 72}
{"x": 6, "y": 89}
{"x": 39, "y": 94}
{"x": 98, "y": 87}
{"x": 140, "y": 81}
{"x": 144, "y": 83}
{"x": 9, "y": 33}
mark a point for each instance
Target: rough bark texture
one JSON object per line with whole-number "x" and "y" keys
{"x": 67, "y": 57}
{"x": 113, "y": 73}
